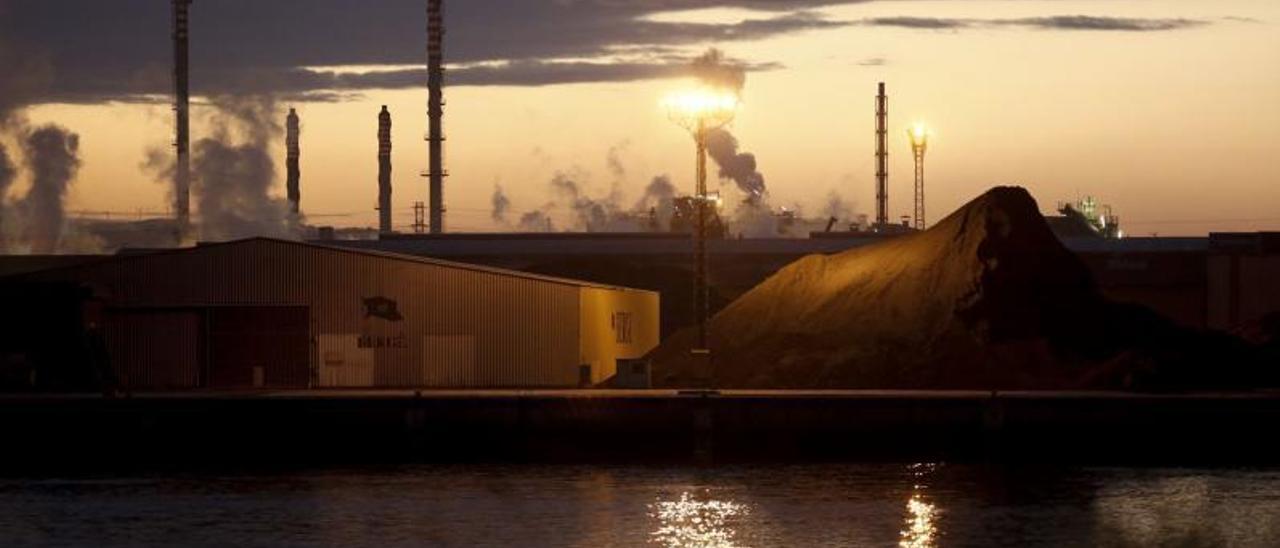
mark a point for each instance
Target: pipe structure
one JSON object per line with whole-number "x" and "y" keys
{"x": 182, "y": 122}
{"x": 435, "y": 113}
{"x": 292, "y": 152}
{"x": 882, "y": 157}
{"x": 384, "y": 170}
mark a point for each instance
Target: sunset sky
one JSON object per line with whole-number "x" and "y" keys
{"x": 1169, "y": 110}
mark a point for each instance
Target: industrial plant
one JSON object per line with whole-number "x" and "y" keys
{"x": 540, "y": 306}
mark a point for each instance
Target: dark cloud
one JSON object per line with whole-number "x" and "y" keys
{"x": 917, "y": 22}
{"x": 1060, "y": 22}
{"x": 24, "y": 76}
{"x": 120, "y": 50}
{"x": 1085, "y": 22}
{"x": 873, "y": 62}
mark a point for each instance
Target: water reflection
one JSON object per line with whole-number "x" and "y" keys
{"x": 690, "y": 522}
{"x": 920, "y": 529}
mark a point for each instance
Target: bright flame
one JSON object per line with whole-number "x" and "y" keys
{"x": 919, "y": 133}
{"x": 706, "y": 107}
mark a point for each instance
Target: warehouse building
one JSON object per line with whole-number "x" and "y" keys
{"x": 273, "y": 313}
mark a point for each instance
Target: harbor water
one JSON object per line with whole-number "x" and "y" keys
{"x": 889, "y": 504}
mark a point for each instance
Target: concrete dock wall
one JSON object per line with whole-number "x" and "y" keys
{"x": 635, "y": 426}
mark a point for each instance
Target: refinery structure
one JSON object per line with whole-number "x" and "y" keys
{"x": 672, "y": 212}
{"x": 688, "y": 248}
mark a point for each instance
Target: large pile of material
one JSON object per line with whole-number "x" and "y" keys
{"x": 987, "y": 298}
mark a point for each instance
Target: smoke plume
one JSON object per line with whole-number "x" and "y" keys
{"x": 233, "y": 173}
{"x": 716, "y": 71}
{"x": 614, "y": 161}
{"x": 659, "y": 201}
{"x": 535, "y": 221}
{"x": 501, "y": 205}
{"x": 53, "y": 157}
{"x": 739, "y": 167}
{"x": 837, "y": 207}
{"x": 588, "y": 214}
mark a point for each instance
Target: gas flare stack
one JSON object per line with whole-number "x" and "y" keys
{"x": 384, "y": 170}
{"x": 182, "y": 113}
{"x": 292, "y": 152}
{"x": 435, "y": 113}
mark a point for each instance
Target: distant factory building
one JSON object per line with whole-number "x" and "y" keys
{"x": 272, "y": 313}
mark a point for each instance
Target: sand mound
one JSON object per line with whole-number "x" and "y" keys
{"x": 987, "y": 298}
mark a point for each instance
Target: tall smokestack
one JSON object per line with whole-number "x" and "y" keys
{"x": 882, "y": 158}
{"x": 292, "y": 152}
{"x": 435, "y": 112}
{"x": 182, "y": 125}
{"x": 384, "y": 170}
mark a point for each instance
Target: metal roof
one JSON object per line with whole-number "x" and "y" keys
{"x": 337, "y": 249}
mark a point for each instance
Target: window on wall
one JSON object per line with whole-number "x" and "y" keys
{"x": 622, "y": 327}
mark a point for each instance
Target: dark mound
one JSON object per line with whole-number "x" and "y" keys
{"x": 987, "y": 298}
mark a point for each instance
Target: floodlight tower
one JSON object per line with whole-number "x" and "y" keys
{"x": 700, "y": 112}
{"x": 919, "y": 136}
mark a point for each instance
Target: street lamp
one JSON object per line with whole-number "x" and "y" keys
{"x": 919, "y": 136}
{"x": 699, "y": 112}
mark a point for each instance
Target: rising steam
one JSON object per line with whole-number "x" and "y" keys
{"x": 53, "y": 157}
{"x": 501, "y": 205}
{"x": 233, "y": 173}
{"x": 658, "y": 202}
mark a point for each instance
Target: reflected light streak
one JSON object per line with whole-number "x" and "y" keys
{"x": 920, "y": 531}
{"x": 920, "y": 528}
{"x": 688, "y": 522}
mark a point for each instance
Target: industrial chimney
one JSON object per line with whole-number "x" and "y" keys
{"x": 882, "y": 158}
{"x": 384, "y": 170}
{"x": 182, "y": 125}
{"x": 292, "y": 152}
{"x": 435, "y": 113}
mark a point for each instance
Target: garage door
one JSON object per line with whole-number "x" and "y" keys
{"x": 259, "y": 346}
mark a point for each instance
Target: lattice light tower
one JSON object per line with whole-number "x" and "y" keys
{"x": 919, "y": 136}
{"x": 699, "y": 112}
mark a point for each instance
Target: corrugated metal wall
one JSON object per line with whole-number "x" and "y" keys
{"x": 445, "y": 326}
{"x": 167, "y": 357}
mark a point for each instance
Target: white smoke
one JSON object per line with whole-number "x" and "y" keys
{"x": 233, "y": 173}
{"x": 53, "y": 158}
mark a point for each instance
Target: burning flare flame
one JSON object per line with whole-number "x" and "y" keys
{"x": 705, "y": 108}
